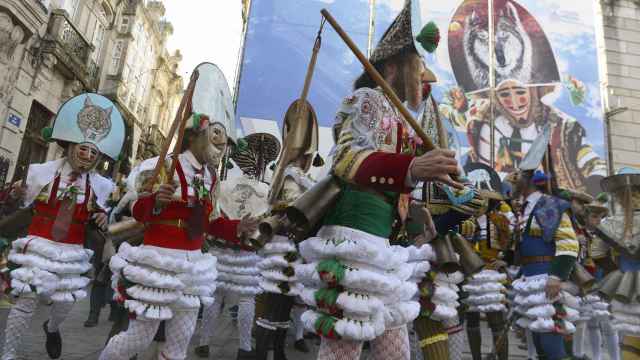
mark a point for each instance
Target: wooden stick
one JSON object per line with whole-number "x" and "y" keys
{"x": 375, "y": 75}
{"x": 167, "y": 142}
{"x": 177, "y": 149}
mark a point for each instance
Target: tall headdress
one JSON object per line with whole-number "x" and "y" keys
{"x": 625, "y": 189}
{"x": 255, "y": 152}
{"x": 408, "y": 31}
{"x": 212, "y": 102}
{"x": 89, "y": 118}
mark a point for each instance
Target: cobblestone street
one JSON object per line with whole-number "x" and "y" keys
{"x": 82, "y": 343}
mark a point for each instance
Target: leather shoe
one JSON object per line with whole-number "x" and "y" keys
{"x": 53, "y": 343}
{"x": 202, "y": 351}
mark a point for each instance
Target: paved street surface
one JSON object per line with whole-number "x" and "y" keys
{"x": 85, "y": 344}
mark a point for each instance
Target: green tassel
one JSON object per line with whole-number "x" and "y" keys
{"x": 332, "y": 267}
{"x": 242, "y": 145}
{"x": 327, "y": 296}
{"x": 47, "y": 133}
{"x": 196, "y": 120}
{"x": 602, "y": 197}
{"x": 429, "y": 37}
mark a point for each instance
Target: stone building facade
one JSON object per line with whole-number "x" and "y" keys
{"x": 620, "y": 75}
{"x": 52, "y": 50}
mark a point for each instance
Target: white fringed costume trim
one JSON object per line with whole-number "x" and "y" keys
{"x": 237, "y": 271}
{"x": 445, "y": 297}
{"x": 163, "y": 279}
{"x": 537, "y": 310}
{"x": 626, "y": 317}
{"x": 379, "y": 280}
{"x": 486, "y": 292}
{"x": 273, "y": 264}
{"x": 50, "y": 268}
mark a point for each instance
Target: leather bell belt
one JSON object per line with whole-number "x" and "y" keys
{"x": 528, "y": 260}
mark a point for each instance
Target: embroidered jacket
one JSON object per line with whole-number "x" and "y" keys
{"x": 375, "y": 146}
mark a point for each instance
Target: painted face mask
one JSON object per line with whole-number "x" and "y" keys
{"x": 218, "y": 143}
{"x": 515, "y": 100}
{"x": 83, "y": 157}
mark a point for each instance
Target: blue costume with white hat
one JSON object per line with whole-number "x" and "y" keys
{"x": 548, "y": 248}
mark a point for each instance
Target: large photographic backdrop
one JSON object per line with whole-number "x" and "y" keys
{"x": 545, "y": 65}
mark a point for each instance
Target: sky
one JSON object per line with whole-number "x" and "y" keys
{"x": 206, "y": 30}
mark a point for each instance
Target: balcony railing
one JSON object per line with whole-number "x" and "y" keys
{"x": 67, "y": 44}
{"x": 94, "y": 74}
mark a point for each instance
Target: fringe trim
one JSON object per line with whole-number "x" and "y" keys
{"x": 33, "y": 260}
{"x": 359, "y": 304}
{"x": 51, "y": 250}
{"x": 338, "y": 242}
{"x": 278, "y": 247}
{"x": 240, "y": 289}
{"x": 223, "y": 268}
{"x": 348, "y": 329}
{"x": 271, "y": 287}
{"x": 357, "y": 280}
{"x": 423, "y": 253}
{"x": 246, "y": 280}
{"x": 487, "y": 276}
{"x": 402, "y": 313}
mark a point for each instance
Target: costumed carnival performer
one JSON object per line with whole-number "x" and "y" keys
{"x": 67, "y": 196}
{"x": 595, "y": 318}
{"x": 621, "y": 232}
{"x": 168, "y": 277}
{"x": 364, "y": 292}
{"x": 486, "y": 292}
{"x": 279, "y": 279}
{"x": 547, "y": 252}
{"x": 238, "y": 274}
{"x": 438, "y": 326}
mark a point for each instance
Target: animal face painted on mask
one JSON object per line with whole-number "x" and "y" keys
{"x": 83, "y": 157}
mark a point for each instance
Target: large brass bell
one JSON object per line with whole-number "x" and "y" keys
{"x": 624, "y": 293}
{"x": 445, "y": 254}
{"x": 469, "y": 259}
{"x": 307, "y": 212}
{"x": 581, "y": 277}
{"x": 607, "y": 288}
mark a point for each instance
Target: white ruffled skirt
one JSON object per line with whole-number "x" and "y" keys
{"x": 626, "y": 318}
{"x": 446, "y": 296}
{"x": 48, "y": 268}
{"x": 237, "y": 271}
{"x": 375, "y": 288}
{"x": 277, "y": 268}
{"x": 486, "y": 292}
{"x": 540, "y": 314}
{"x": 151, "y": 281}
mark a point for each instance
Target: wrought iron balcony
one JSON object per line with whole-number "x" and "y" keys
{"x": 71, "y": 49}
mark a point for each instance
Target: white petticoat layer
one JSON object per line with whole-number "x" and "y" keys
{"x": 273, "y": 264}
{"x": 537, "y": 311}
{"x": 486, "y": 292}
{"x": 626, "y": 317}
{"x": 445, "y": 297}
{"x": 52, "y": 269}
{"x": 163, "y": 279}
{"x": 238, "y": 271}
{"x": 378, "y": 281}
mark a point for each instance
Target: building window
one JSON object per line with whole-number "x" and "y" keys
{"x": 117, "y": 56}
{"x": 98, "y": 39}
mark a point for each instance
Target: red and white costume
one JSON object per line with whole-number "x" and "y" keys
{"x": 50, "y": 268}
{"x": 168, "y": 277}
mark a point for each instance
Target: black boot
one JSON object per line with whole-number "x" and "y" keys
{"x": 475, "y": 342}
{"x": 245, "y": 355}
{"x": 202, "y": 351}
{"x": 53, "y": 343}
{"x": 279, "y": 345}
{"x": 301, "y": 346}
{"x": 264, "y": 340}
{"x": 97, "y": 300}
